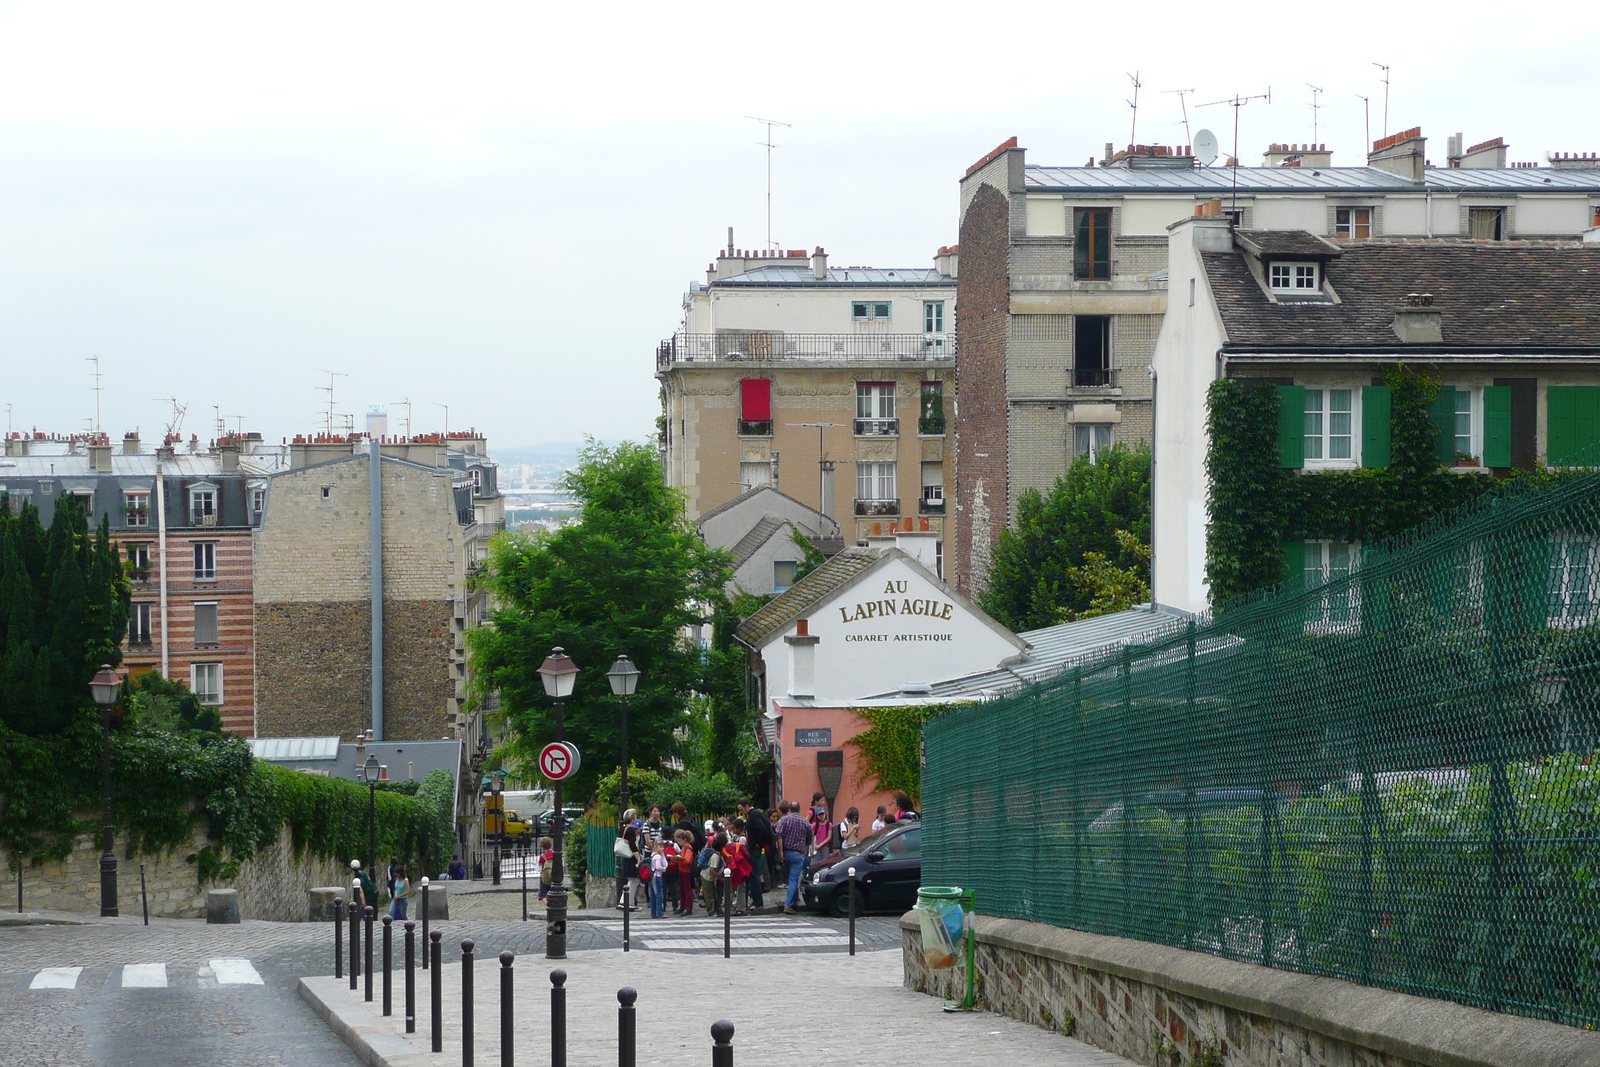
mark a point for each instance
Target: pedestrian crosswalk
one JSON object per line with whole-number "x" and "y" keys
{"x": 213, "y": 974}
{"x": 685, "y": 935}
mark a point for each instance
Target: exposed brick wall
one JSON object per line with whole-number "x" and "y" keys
{"x": 312, "y": 668}
{"x": 417, "y": 682}
{"x": 984, "y": 295}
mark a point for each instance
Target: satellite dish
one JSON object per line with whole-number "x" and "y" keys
{"x": 1205, "y": 147}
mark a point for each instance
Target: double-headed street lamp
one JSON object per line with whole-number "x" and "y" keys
{"x": 559, "y": 674}
{"x": 105, "y": 686}
{"x": 370, "y": 772}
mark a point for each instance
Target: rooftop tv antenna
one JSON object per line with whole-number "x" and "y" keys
{"x": 1366, "y": 111}
{"x": 769, "y": 145}
{"x": 1236, "y": 102}
{"x": 1184, "y": 105}
{"x": 238, "y": 424}
{"x": 824, "y": 464}
{"x": 8, "y": 419}
{"x": 1316, "y": 106}
{"x": 178, "y": 411}
{"x": 1385, "y": 68}
{"x": 332, "y": 374}
{"x": 221, "y": 424}
{"x": 446, "y": 407}
{"x": 96, "y": 374}
{"x": 1133, "y": 130}
{"x": 407, "y": 403}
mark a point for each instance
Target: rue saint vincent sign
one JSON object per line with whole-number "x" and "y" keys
{"x": 894, "y": 605}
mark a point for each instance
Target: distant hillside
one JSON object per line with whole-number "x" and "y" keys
{"x": 561, "y": 453}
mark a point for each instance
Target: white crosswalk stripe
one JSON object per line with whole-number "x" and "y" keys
{"x": 56, "y": 978}
{"x": 144, "y": 976}
{"x": 235, "y": 972}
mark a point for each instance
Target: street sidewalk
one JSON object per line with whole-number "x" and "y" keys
{"x": 786, "y": 1008}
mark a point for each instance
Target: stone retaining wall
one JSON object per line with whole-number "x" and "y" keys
{"x": 272, "y": 885}
{"x": 1166, "y": 1007}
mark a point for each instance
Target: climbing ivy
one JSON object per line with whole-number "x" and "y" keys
{"x": 891, "y": 748}
{"x": 1255, "y": 505}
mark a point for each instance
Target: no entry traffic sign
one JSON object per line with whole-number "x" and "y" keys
{"x": 558, "y": 761}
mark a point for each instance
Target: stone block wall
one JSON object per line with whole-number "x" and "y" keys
{"x": 272, "y": 885}
{"x": 1166, "y": 1007}
{"x": 313, "y": 668}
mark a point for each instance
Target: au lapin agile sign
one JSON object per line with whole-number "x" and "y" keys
{"x": 895, "y": 604}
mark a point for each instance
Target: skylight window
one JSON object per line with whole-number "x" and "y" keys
{"x": 1290, "y": 277}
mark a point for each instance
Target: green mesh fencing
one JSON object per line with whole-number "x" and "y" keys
{"x": 1389, "y": 778}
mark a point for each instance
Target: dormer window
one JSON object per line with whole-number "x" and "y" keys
{"x": 1291, "y": 277}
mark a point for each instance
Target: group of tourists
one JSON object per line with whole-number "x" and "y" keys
{"x": 672, "y": 861}
{"x": 397, "y": 882}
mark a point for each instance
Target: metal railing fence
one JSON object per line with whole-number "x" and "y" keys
{"x": 1392, "y": 778}
{"x": 760, "y": 346}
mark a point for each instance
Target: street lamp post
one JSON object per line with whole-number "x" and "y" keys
{"x": 105, "y": 686}
{"x": 369, "y": 774}
{"x": 496, "y": 789}
{"x": 624, "y": 679}
{"x": 559, "y": 674}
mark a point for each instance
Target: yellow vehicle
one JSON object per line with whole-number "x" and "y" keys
{"x": 498, "y": 818}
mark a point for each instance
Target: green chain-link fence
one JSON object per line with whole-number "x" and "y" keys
{"x": 1389, "y": 778}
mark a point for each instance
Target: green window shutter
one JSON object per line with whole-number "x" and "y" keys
{"x": 1560, "y": 428}
{"x": 1291, "y": 426}
{"x": 1294, "y": 566}
{"x": 1443, "y": 412}
{"x": 1586, "y": 417}
{"x": 1375, "y": 409}
{"x": 1497, "y": 426}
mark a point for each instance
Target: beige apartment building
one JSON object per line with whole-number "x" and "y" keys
{"x": 832, "y": 384}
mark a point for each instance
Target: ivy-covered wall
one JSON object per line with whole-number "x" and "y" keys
{"x": 1256, "y": 505}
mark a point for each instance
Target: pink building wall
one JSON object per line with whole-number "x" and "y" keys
{"x": 800, "y": 778}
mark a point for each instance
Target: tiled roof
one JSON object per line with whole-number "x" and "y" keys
{"x": 742, "y": 497}
{"x": 779, "y": 614}
{"x": 1491, "y": 296}
{"x": 1221, "y": 180}
{"x": 1273, "y": 243}
{"x": 759, "y": 535}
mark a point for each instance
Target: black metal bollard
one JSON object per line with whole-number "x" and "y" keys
{"x": 466, "y": 1002}
{"x": 626, "y": 896}
{"x": 388, "y": 962}
{"x": 411, "y": 978}
{"x": 524, "y": 887}
{"x": 555, "y": 923}
{"x": 851, "y": 889}
{"x": 424, "y": 922}
{"x": 627, "y": 1026}
{"x": 438, "y": 994}
{"x": 727, "y": 913}
{"x": 338, "y": 937}
{"x": 505, "y": 1008}
{"x": 355, "y": 943}
{"x": 558, "y": 1018}
{"x": 144, "y": 894}
{"x": 722, "y": 1044}
{"x": 366, "y": 979}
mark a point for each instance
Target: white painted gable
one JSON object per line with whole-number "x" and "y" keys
{"x": 896, "y": 624}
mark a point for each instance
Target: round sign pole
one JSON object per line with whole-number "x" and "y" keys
{"x": 558, "y": 761}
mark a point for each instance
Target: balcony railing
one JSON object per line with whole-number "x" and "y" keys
{"x": 931, "y": 427}
{"x": 762, "y": 346}
{"x": 931, "y": 505}
{"x": 877, "y": 427}
{"x": 204, "y": 518}
{"x": 1094, "y": 377}
{"x": 755, "y": 429}
{"x": 877, "y": 507}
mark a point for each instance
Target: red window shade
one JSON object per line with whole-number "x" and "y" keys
{"x": 756, "y": 397}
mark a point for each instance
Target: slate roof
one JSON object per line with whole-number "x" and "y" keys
{"x": 759, "y": 534}
{"x": 839, "y": 276}
{"x": 1221, "y": 180}
{"x": 1492, "y": 297}
{"x": 1283, "y": 243}
{"x": 720, "y": 508}
{"x": 779, "y": 614}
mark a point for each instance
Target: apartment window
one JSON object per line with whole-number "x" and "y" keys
{"x": 933, "y": 488}
{"x": 875, "y": 408}
{"x": 1465, "y": 438}
{"x": 1091, "y": 247}
{"x": 1486, "y": 223}
{"x": 1292, "y": 277}
{"x": 205, "y": 623}
{"x": 867, "y": 310}
{"x": 933, "y": 316}
{"x": 205, "y": 561}
{"x": 1328, "y": 563}
{"x": 754, "y": 475}
{"x": 1091, "y": 351}
{"x": 47, "y": 488}
{"x": 938, "y": 560}
{"x": 136, "y": 509}
{"x": 1330, "y": 418}
{"x": 783, "y": 572}
{"x": 755, "y": 407}
{"x": 138, "y": 624}
{"x": 931, "y": 418}
{"x": 138, "y": 556}
{"x": 1089, "y": 439}
{"x": 1352, "y": 223}
{"x": 327, "y": 492}
{"x": 1574, "y": 581}
{"x": 203, "y": 507}
{"x": 875, "y": 485}
{"x": 205, "y": 680}
{"x": 258, "y": 502}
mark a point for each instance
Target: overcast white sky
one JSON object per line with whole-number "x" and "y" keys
{"x": 497, "y": 206}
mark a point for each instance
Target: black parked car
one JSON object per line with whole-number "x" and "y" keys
{"x": 888, "y": 872}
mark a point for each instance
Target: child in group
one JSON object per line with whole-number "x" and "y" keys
{"x": 547, "y": 865}
{"x": 658, "y": 874}
{"x": 711, "y": 872}
{"x": 684, "y": 864}
{"x": 737, "y": 856}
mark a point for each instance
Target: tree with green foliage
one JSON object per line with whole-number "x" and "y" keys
{"x": 163, "y": 704}
{"x": 63, "y": 613}
{"x": 1078, "y": 551}
{"x": 630, "y": 577}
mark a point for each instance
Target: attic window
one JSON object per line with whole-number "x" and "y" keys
{"x": 1284, "y": 277}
